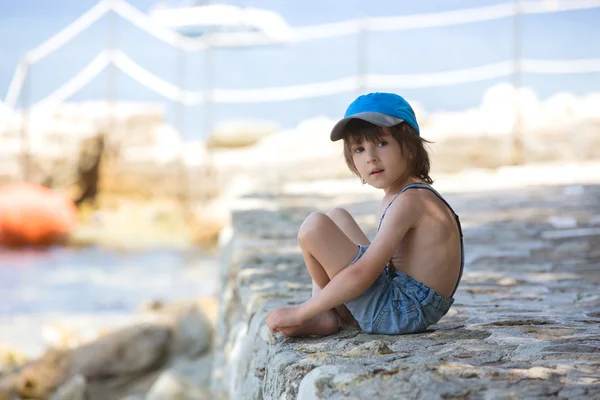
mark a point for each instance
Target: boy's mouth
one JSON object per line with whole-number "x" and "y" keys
{"x": 376, "y": 171}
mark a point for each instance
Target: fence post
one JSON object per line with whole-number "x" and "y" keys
{"x": 517, "y": 39}
{"x": 361, "y": 55}
{"x": 208, "y": 103}
{"x": 180, "y": 123}
{"x": 111, "y": 80}
{"x": 25, "y": 105}
{"x": 208, "y": 83}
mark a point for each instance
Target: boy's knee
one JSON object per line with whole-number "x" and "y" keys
{"x": 312, "y": 224}
{"x": 338, "y": 213}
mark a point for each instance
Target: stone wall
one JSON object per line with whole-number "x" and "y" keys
{"x": 525, "y": 323}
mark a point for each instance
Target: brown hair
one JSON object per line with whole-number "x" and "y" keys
{"x": 358, "y": 130}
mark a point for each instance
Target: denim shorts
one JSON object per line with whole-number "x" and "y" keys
{"x": 397, "y": 304}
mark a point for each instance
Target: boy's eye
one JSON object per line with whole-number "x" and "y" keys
{"x": 358, "y": 149}
{"x": 381, "y": 144}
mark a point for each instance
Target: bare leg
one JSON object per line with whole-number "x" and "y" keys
{"x": 343, "y": 219}
{"x": 328, "y": 238}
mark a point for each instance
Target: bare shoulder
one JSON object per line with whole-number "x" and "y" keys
{"x": 423, "y": 200}
{"x": 410, "y": 201}
{"x": 415, "y": 206}
{"x": 404, "y": 213}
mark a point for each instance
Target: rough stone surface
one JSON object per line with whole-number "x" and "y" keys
{"x": 525, "y": 324}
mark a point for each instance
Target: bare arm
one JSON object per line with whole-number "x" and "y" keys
{"x": 349, "y": 283}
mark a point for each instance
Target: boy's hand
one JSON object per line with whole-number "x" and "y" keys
{"x": 283, "y": 317}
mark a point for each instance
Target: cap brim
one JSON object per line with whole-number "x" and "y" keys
{"x": 375, "y": 118}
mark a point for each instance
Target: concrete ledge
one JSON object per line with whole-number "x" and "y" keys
{"x": 526, "y": 322}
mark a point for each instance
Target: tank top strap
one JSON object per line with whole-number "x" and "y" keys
{"x": 428, "y": 187}
{"x": 462, "y": 247}
{"x": 386, "y": 208}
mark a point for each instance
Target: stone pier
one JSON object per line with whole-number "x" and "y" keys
{"x": 525, "y": 324}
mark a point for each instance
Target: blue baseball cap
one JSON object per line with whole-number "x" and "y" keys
{"x": 381, "y": 109}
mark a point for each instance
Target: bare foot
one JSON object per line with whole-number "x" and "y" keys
{"x": 322, "y": 324}
{"x": 345, "y": 316}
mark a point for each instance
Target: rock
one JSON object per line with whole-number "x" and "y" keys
{"x": 562, "y": 221}
{"x": 311, "y": 385}
{"x": 507, "y": 282}
{"x": 540, "y": 373}
{"x": 172, "y": 386}
{"x": 571, "y": 248}
{"x": 41, "y": 377}
{"x": 571, "y": 233}
{"x": 468, "y": 374}
{"x": 167, "y": 338}
{"x": 126, "y": 351}
{"x": 372, "y": 348}
{"x": 191, "y": 330}
{"x": 240, "y": 134}
{"x": 184, "y": 379}
{"x": 73, "y": 389}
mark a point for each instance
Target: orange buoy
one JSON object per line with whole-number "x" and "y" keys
{"x": 31, "y": 214}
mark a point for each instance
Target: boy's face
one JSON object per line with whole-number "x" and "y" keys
{"x": 380, "y": 164}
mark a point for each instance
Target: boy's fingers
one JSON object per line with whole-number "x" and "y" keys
{"x": 285, "y": 332}
{"x": 271, "y": 326}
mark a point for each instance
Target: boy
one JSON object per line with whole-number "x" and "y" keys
{"x": 405, "y": 280}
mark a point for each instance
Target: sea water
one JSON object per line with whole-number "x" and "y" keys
{"x": 87, "y": 290}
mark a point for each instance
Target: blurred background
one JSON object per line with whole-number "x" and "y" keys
{"x": 139, "y": 124}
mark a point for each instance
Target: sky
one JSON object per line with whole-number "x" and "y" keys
{"x": 24, "y": 24}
